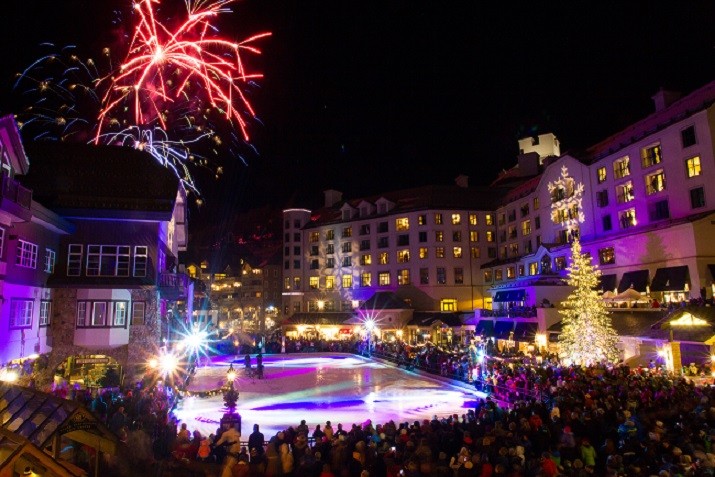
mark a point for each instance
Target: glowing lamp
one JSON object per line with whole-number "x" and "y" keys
{"x": 168, "y": 363}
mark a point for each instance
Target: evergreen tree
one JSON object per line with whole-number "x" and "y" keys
{"x": 587, "y": 336}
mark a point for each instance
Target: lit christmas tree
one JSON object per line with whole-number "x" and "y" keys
{"x": 587, "y": 336}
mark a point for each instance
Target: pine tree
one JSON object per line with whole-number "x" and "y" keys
{"x": 587, "y": 336}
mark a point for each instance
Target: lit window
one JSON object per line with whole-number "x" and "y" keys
{"x": 438, "y": 236}
{"x": 403, "y": 256}
{"x": 296, "y": 283}
{"x": 490, "y": 236}
{"x": 422, "y": 219}
{"x": 536, "y": 203}
{"x": 286, "y": 283}
{"x": 651, "y": 155}
{"x": 473, "y": 236}
{"x": 403, "y": 276}
{"x": 314, "y": 282}
{"x": 438, "y": 219}
{"x": 347, "y": 281}
{"x": 457, "y": 252}
{"x": 474, "y": 252}
{"x": 120, "y": 313}
{"x": 510, "y": 272}
{"x": 439, "y": 252}
{"x": 533, "y": 268}
{"x": 693, "y": 166}
{"x": 513, "y": 249}
{"x": 329, "y": 282}
{"x": 621, "y": 167}
{"x": 624, "y": 193}
{"x": 383, "y": 279}
{"x": 487, "y": 276}
{"x": 473, "y": 219}
{"x": 498, "y": 275}
{"x": 526, "y": 227}
{"x": 21, "y": 314}
{"x": 366, "y": 259}
{"x": 366, "y": 279}
{"x": 456, "y": 219}
{"x": 489, "y": 219}
{"x": 314, "y": 236}
{"x": 402, "y": 224}
{"x": 602, "y": 175}
{"x": 606, "y": 256}
{"x": 423, "y": 252}
{"x": 448, "y": 305}
{"x": 347, "y": 232}
{"x": 655, "y": 182}
{"x": 627, "y": 218}
{"x": 384, "y": 258}
{"x": 330, "y": 234}
{"x": 26, "y": 254}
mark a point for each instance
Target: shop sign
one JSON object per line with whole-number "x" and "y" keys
{"x": 79, "y": 422}
{"x": 104, "y": 360}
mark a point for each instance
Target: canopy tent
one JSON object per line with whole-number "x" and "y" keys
{"x": 630, "y": 295}
{"x": 525, "y": 331}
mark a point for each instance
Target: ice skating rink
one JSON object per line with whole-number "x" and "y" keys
{"x": 338, "y": 387}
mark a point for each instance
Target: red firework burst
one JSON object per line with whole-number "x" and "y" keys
{"x": 167, "y": 68}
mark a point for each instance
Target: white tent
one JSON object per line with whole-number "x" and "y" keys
{"x": 630, "y": 295}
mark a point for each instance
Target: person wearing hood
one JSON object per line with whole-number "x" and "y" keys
{"x": 231, "y": 438}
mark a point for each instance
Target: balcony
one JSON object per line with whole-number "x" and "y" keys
{"x": 173, "y": 286}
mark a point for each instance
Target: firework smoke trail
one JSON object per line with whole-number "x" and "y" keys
{"x": 164, "y": 66}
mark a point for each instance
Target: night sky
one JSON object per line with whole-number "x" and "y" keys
{"x": 371, "y": 96}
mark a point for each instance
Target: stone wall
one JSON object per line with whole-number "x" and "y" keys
{"x": 143, "y": 339}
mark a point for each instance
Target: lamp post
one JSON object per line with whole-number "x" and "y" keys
{"x": 369, "y": 326}
{"x": 230, "y": 398}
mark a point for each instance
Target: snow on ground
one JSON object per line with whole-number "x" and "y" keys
{"x": 338, "y": 387}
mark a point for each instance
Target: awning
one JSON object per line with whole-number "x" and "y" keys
{"x": 503, "y": 328}
{"x": 637, "y": 279}
{"x": 525, "y": 331}
{"x": 509, "y": 295}
{"x": 485, "y": 327}
{"x": 607, "y": 282}
{"x": 670, "y": 279}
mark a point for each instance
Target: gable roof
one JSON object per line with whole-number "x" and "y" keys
{"x": 100, "y": 181}
{"x": 432, "y": 197}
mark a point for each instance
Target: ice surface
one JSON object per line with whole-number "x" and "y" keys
{"x": 341, "y": 388}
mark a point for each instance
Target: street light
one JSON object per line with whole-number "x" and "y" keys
{"x": 369, "y": 326}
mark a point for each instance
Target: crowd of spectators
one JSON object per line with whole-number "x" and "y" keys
{"x": 540, "y": 419}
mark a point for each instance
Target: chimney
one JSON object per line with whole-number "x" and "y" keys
{"x": 462, "y": 181}
{"x": 332, "y": 197}
{"x": 664, "y": 98}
